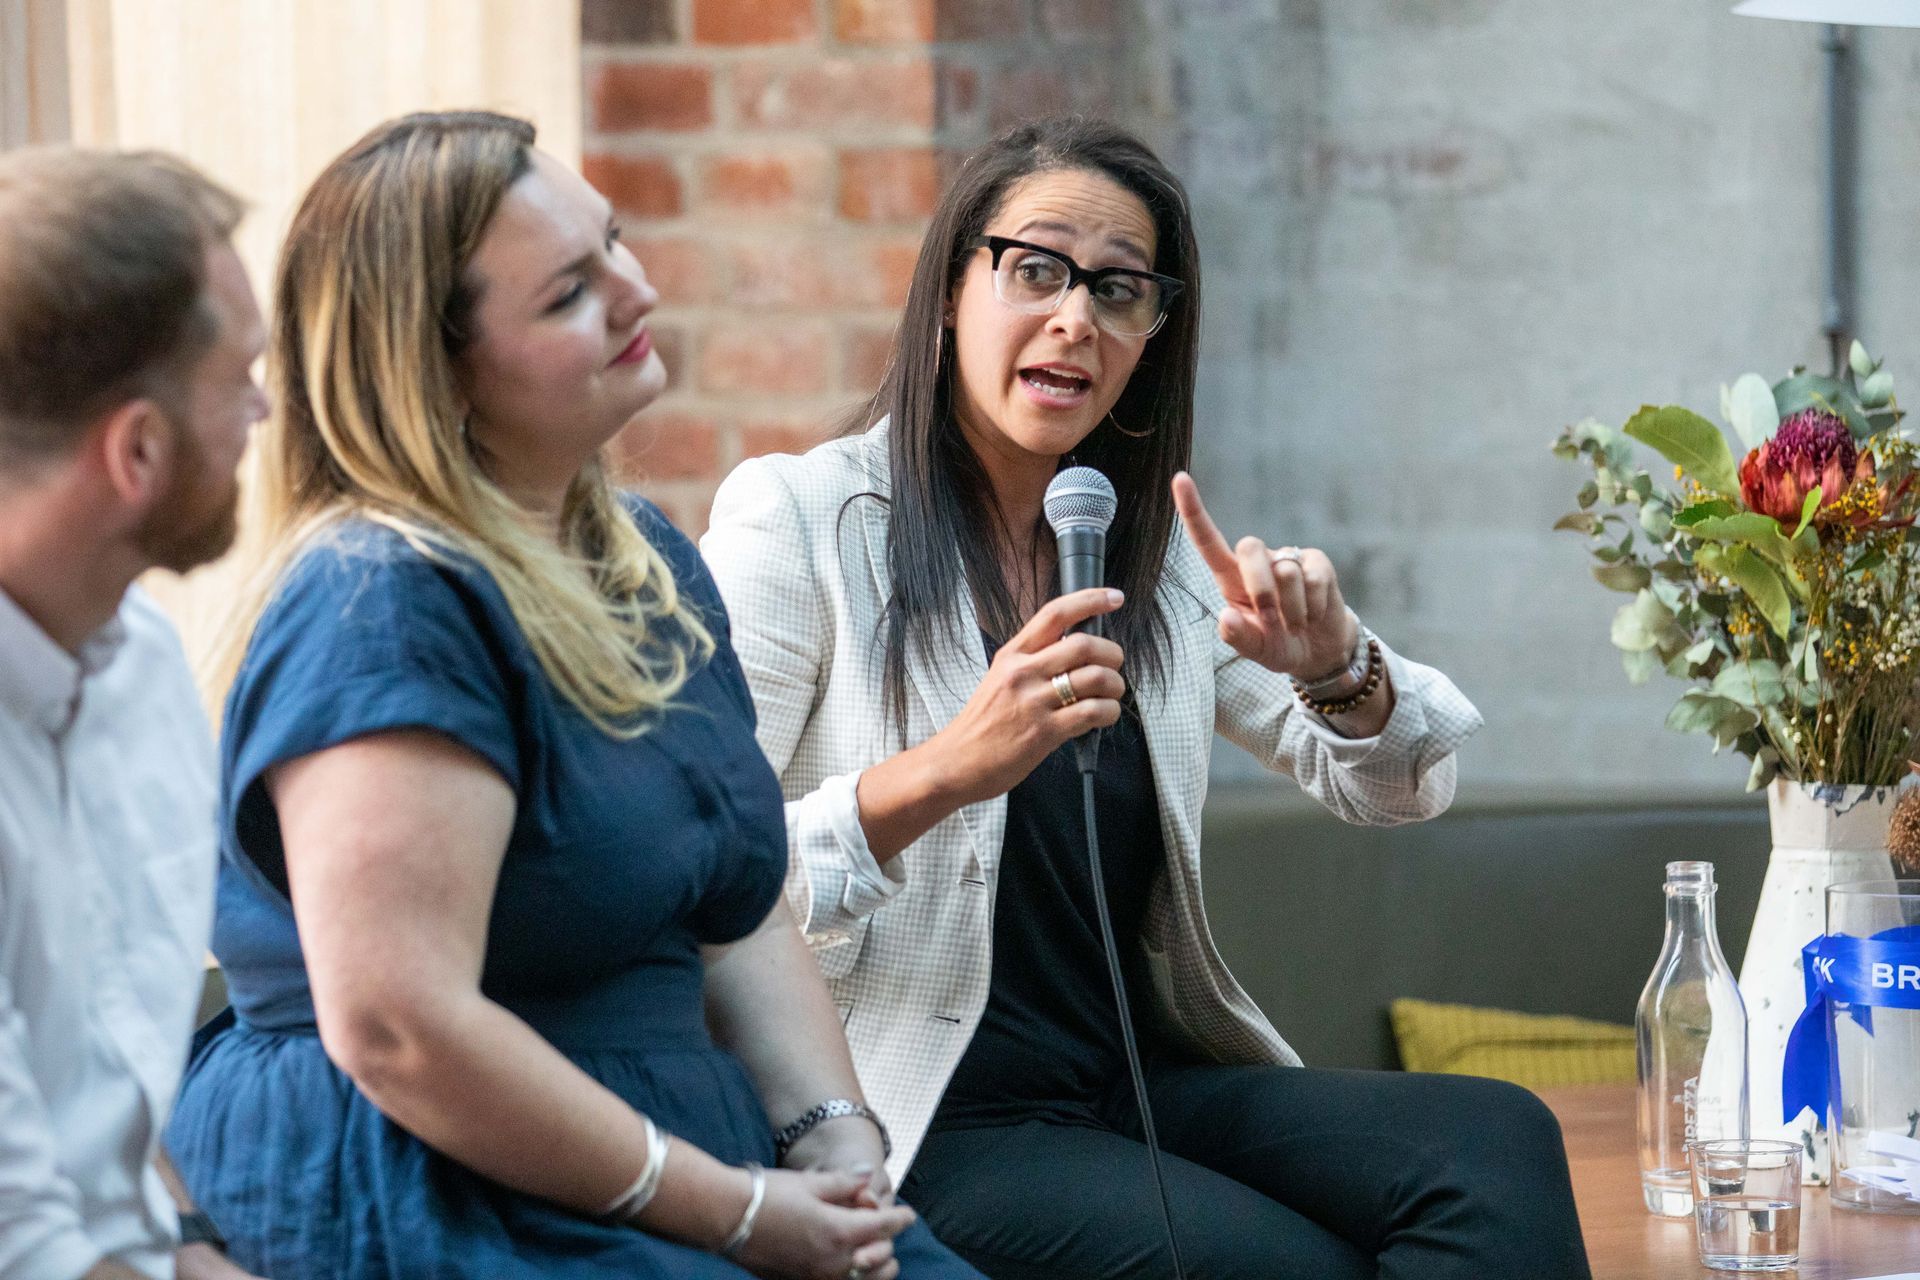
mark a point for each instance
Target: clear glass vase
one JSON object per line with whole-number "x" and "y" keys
{"x": 1873, "y": 1060}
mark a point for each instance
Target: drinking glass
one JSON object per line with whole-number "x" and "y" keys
{"x": 1746, "y": 1203}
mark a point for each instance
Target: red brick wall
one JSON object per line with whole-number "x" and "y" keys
{"x": 774, "y": 162}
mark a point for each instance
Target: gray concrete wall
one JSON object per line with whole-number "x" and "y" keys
{"x": 1435, "y": 232}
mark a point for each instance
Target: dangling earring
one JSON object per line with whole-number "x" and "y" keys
{"x": 1131, "y": 435}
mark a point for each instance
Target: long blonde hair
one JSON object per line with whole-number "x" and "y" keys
{"x": 372, "y": 308}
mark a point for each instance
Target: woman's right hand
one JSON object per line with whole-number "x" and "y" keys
{"x": 822, "y": 1226}
{"x": 1010, "y": 724}
{"x": 1015, "y": 719}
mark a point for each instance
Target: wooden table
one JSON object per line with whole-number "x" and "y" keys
{"x": 1625, "y": 1242}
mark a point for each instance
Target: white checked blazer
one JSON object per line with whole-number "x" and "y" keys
{"x": 798, "y": 547}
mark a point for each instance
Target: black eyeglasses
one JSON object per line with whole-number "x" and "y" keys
{"x": 1036, "y": 280}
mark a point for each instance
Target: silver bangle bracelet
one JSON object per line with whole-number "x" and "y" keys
{"x": 744, "y": 1231}
{"x": 629, "y": 1204}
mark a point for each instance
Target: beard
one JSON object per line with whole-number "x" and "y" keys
{"x": 197, "y": 518}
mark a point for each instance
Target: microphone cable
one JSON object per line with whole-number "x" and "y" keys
{"x": 1087, "y": 749}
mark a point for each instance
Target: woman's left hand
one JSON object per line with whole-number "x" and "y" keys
{"x": 1284, "y": 608}
{"x": 845, "y": 1144}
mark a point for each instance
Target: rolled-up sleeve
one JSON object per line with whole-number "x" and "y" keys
{"x": 759, "y": 554}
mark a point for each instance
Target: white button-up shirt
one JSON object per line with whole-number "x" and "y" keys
{"x": 107, "y": 794}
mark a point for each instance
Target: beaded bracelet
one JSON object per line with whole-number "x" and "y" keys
{"x": 831, "y": 1109}
{"x": 1376, "y": 672}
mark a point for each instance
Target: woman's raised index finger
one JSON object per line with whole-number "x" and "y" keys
{"x": 1206, "y": 535}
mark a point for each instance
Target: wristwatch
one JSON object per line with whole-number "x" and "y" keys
{"x": 197, "y": 1228}
{"x": 1352, "y": 673}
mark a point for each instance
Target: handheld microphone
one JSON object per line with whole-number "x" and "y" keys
{"x": 1080, "y": 503}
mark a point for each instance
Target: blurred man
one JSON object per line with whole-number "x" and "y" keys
{"x": 128, "y": 335}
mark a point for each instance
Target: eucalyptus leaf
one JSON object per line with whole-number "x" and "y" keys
{"x": 1698, "y": 711}
{"x": 1751, "y": 411}
{"x": 1655, "y": 519}
{"x": 1641, "y": 665}
{"x": 1644, "y": 624}
{"x": 1626, "y": 576}
{"x": 1729, "y": 728}
{"x": 1877, "y": 390}
{"x": 1689, "y": 441}
{"x": 1588, "y": 495}
{"x": 1861, "y": 363}
{"x": 1578, "y": 521}
{"x": 1756, "y": 683}
{"x": 1766, "y": 761}
{"x": 1678, "y": 570}
{"x": 1697, "y": 654}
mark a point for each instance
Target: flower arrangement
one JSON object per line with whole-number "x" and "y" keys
{"x": 1785, "y": 589}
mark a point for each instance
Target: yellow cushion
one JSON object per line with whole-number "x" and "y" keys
{"x": 1535, "y": 1050}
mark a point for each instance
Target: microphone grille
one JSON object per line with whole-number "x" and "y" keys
{"x": 1079, "y": 498}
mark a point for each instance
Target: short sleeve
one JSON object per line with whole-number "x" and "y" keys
{"x": 365, "y": 635}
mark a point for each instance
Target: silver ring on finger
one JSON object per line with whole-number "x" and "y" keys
{"x": 1063, "y": 689}
{"x": 1290, "y": 553}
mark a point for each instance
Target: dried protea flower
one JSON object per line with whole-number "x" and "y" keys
{"x": 1903, "y": 835}
{"x": 1811, "y": 449}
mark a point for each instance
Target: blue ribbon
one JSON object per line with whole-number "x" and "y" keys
{"x": 1851, "y": 975}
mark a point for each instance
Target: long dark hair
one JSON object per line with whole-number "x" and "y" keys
{"x": 941, "y": 499}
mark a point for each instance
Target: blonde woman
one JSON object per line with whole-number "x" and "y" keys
{"x": 498, "y": 847}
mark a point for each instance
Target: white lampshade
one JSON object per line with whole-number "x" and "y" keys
{"x": 1848, "y": 13}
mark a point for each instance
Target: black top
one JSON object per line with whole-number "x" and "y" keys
{"x": 1049, "y": 1045}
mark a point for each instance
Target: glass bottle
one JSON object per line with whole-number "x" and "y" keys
{"x": 1690, "y": 1030}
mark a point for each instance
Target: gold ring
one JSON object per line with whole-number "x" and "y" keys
{"x": 1063, "y": 688}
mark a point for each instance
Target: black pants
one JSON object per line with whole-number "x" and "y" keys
{"x": 1274, "y": 1174}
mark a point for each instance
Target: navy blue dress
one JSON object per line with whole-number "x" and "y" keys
{"x": 625, "y": 856}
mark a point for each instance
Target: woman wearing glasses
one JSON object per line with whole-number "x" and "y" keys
{"x": 893, "y": 596}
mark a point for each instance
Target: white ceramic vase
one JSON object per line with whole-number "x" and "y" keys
{"x": 1823, "y": 834}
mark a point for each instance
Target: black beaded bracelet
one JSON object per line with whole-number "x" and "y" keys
{"x": 831, "y": 1109}
{"x": 1376, "y": 674}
